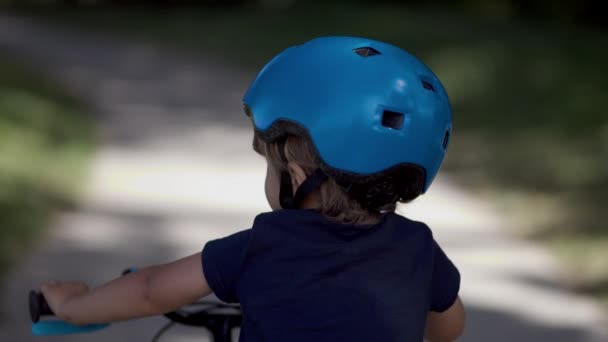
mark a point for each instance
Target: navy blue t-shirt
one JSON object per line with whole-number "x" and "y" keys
{"x": 301, "y": 277}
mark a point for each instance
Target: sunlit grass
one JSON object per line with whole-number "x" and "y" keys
{"x": 590, "y": 251}
{"x": 44, "y": 142}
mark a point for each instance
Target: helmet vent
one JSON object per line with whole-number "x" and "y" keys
{"x": 428, "y": 86}
{"x": 446, "y": 139}
{"x": 366, "y": 51}
{"x": 392, "y": 120}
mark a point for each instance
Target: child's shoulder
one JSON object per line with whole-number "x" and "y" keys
{"x": 286, "y": 220}
{"x": 407, "y": 225}
{"x": 285, "y": 216}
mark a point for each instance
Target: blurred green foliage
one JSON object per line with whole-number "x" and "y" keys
{"x": 44, "y": 142}
{"x": 529, "y": 100}
{"x": 568, "y": 12}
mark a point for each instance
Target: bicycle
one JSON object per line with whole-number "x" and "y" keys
{"x": 218, "y": 318}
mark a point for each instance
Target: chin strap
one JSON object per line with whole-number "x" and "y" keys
{"x": 290, "y": 201}
{"x": 287, "y": 198}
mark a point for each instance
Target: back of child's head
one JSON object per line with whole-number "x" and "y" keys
{"x": 367, "y": 122}
{"x": 334, "y": 200}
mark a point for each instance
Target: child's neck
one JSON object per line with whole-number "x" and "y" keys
{"x": 312, "y": 201}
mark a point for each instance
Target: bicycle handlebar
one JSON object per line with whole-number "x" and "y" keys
{"x": 219, "y": 318}
{"x": 39, "y": 307}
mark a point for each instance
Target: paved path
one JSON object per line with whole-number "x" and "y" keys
{"x": 175, "y": 169}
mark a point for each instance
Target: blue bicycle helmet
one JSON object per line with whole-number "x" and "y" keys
{"x": 379, "y": 119}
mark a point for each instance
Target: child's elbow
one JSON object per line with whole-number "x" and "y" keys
{"x": 151, "y": 302}
{"x": 446, "y": 326}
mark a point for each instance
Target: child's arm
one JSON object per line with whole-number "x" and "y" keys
{"x": 151, "y": 291}
{"x": 445, "y": 326}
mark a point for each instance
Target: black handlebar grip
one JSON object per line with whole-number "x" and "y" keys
{"x": 38, "y": 306}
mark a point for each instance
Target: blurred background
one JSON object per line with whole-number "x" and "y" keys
{"x": 122, "y": 142}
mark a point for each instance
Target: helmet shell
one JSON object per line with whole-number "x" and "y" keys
{"x": 367, "y": 106}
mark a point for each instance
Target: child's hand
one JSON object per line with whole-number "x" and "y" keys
{"x": 59, "y": 294}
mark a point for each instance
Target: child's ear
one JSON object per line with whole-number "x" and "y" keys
{"x": 298, "y": 176}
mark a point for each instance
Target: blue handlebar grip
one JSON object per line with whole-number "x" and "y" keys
{"x": 39, "y": 307}
{"x": 49, "y": 328}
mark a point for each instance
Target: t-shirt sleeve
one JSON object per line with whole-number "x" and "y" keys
{"x": 222, "y": 259}
{"x": 445, "y": 282}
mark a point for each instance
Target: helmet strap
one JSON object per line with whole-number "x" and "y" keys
{"x": 286, "y": 191}
{"x": 287, "y": 199}
{"x": 290, "y": 201}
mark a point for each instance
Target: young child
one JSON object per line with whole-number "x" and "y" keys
{"x": 348, "y": 127}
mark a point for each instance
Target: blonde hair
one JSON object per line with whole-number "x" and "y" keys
{"x": 335, "y": 203}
